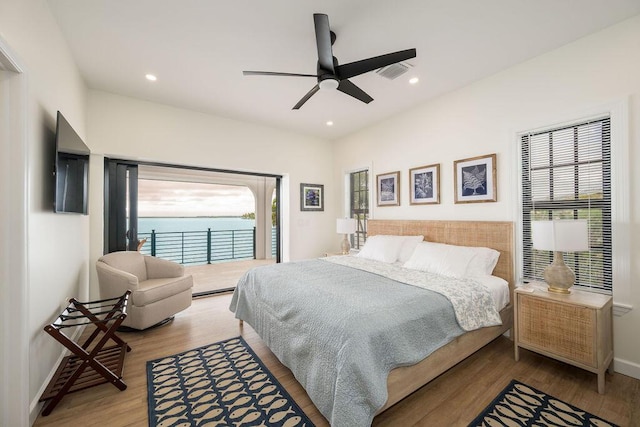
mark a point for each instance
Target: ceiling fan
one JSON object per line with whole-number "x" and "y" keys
{"x": 330, "y": 75}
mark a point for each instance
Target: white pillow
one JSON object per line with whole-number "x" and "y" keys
{"x": 438, "y": 258}
{"x": 389, "y": 248}
{"x": 483, "y": 262}
{"x": 479, "y": 261}
{"x": 381, "y": 248}
{"x": 408, "y": 246}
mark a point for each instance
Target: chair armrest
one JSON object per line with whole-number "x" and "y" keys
{"x": 114, "y": 282}
{"x": 158, "y": 268}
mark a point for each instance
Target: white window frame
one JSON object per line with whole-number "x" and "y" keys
{"x": 618, "y": 111}
{"x": 346, "y": 205}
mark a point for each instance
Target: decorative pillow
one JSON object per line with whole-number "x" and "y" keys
{"x": 438, "y": 258}
{"x": 381, "y": 248}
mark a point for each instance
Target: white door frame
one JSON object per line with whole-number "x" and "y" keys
{"x": 14, "y": 292}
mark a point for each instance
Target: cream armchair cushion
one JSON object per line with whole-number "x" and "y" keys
{"x": 159, "y": 288}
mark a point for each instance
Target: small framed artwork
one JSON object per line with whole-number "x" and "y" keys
{"x": 424, "y": 182}
{"x": 475, "y": 179}
{"x": 388, "y": 186}
{"x": 311, "y": 197}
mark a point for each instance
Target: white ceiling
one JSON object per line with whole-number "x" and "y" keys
{"x": 199, "y": 48}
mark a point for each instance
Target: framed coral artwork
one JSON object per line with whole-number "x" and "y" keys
{"x": 475, "y": 179}
{"x": 424, "y": 184}
{"x": 388, "y": 186}
{"x": 311, "y": 197}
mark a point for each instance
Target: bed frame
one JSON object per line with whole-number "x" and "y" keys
{"x": 497, "y": 235}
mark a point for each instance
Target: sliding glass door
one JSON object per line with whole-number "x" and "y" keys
{"x": 120, "y": 206}
{"x": 218, "y": 224}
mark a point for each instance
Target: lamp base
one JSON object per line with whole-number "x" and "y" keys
{"x": 346, "y": 246}
{"x": 558, "y": 276}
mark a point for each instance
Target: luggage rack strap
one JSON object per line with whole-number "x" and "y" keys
{"x": 91, "y": 312}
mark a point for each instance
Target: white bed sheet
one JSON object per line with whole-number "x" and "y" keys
{"x": 499, "y": 289}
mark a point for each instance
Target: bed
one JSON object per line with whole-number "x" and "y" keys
{"x": 353, "y": 344}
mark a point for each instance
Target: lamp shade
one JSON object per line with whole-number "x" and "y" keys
{"x": 564, "y": 235}
{"x": 346, "y": 225}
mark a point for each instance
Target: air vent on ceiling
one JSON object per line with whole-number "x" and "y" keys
{"x": 394, "y": 70}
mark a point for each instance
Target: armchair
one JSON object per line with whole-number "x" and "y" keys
{"x": 159, "y": 288}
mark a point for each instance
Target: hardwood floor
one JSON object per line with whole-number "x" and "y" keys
{"x": 211, "y": 277}
{"x": 453, "y": 399}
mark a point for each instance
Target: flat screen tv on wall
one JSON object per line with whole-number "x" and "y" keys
{"x": 71, "y": 170}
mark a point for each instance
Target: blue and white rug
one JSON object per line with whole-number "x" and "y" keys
{"x": 222, "y": 384}
{"x": 521, "y": 405}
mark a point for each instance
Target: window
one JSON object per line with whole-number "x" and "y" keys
{"x": 566, "y": 174}
{"x": 359, "y": 205}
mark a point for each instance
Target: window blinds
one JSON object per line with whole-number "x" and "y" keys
{"x": 566, "y": 174}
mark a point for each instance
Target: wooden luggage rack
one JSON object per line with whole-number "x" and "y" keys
{"x": 89, "y": 365}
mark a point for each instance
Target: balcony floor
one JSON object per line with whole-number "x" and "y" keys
{"x": 211, "y": 277}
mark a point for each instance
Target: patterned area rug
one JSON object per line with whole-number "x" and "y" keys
{"x": 222, "y": 384}
{"x": 521, "y": 405}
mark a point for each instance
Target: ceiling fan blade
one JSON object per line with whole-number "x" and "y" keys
{"x": 306, "y": 97}
{"x": 273, "y": 73}
{"x": 323, "y": 41}
{"x": 349, "y": 88}
{"x": 356, "y": 68}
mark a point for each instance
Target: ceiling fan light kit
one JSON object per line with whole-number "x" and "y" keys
{"x": 329, "y": 84}
{"x": 330, "y": 75}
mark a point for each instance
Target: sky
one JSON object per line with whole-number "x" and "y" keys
{"x": 168, "y": 198}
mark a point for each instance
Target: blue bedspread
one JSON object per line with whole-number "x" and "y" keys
{"x": 341, "y": 330}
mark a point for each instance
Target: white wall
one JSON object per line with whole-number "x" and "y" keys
{"x": 57, "y": 245}
{"x": 480, "y": 119}
{"x": 579, "y": 79}
{"x": 123, "y": 127}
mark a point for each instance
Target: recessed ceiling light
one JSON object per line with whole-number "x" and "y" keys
{"x": 151, "y": 77}
{"x": 414, "y": 80}
{"x": 329, "y": 123}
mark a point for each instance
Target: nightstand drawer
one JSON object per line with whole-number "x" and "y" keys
{"x": 565, "y": 330}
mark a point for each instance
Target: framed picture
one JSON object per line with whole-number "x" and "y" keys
{"x": 424, "y": 185}
{"x": 311, "y": 197}
{"x": 388, "y": 185}
{"x": 475, "y": 179}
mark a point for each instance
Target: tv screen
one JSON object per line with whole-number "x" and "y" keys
{"x": 71, "y": 170}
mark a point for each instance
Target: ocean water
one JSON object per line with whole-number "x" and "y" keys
{"x": 164, "y": 224}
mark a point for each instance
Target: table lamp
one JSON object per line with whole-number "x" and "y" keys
{"x": 561, "y": 235}
{"x": 346, "y": 226}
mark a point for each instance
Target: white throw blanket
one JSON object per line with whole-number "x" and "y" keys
{"x": 471, "y": 300}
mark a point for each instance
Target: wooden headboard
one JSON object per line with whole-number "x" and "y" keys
{"x": 496, "y": 235}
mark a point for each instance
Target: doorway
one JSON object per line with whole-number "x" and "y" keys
{"x": 218, "y": 224}
{"x": 14, "y": 304}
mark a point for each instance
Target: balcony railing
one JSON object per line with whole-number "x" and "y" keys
{"x": 203, "y": 247}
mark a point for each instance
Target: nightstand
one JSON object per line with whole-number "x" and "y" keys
{"x": 326, "y": 254}
{"x": 576, "y": 328}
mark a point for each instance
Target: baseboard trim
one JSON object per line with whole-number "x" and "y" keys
{"x": 35, "y": 406}
{"x": 626, "y": 367}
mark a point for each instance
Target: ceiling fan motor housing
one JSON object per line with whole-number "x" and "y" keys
{"x": 326, "y": 78}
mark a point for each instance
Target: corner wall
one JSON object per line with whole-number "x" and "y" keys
{"x": 57, "y": 245}
{"x": 572, "y": 82}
